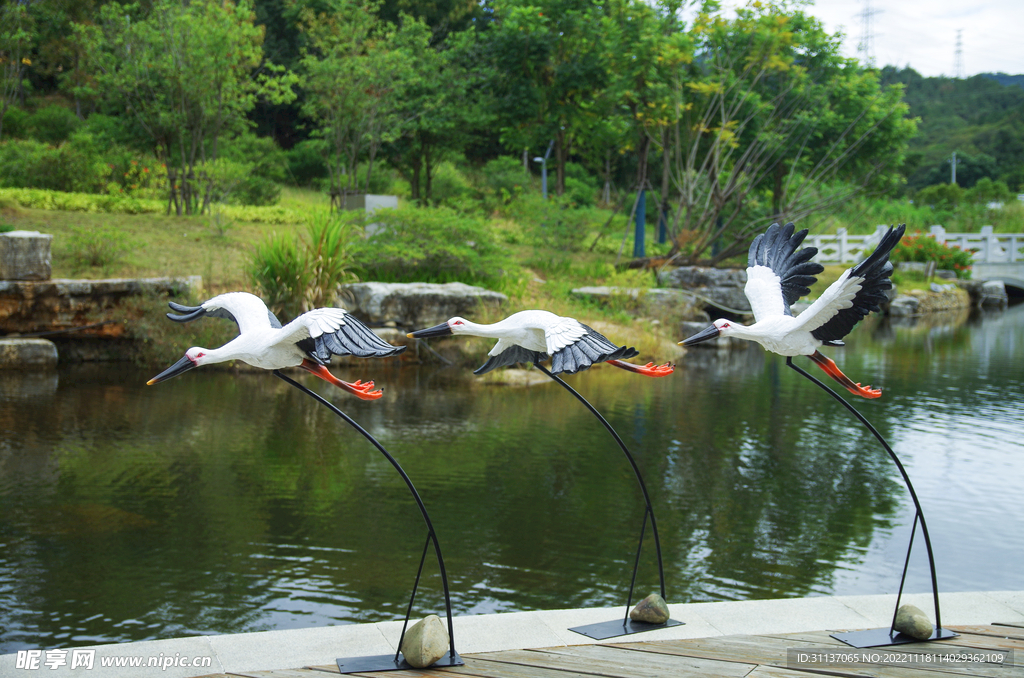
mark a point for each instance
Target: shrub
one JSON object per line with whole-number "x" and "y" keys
{"x": 924, "y": 248}
{"x": 504, "y": 179}
{"x": 52, "y": 124}
{"x": 305, "y": 163}
{"x": 15, "y": 123}
{"x": 940, "y": 196}
{"x": 99, "y": 247}
{"x": 434, "y": 245}
{"x": 449, "y": 186}
{"x": 296, "y": 274}
{"x": 75, "y": 165}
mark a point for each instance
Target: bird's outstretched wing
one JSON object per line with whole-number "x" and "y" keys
{"x": 858, "y": 292}
{"x": 507, "y": 353}
{"x": 591, "y": 347}
{"x": 246, "y": 310}
{"x": 778, "y": 271}
{"x": 324, "y": 332}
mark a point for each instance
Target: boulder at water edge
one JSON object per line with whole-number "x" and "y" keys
{"x": 653, "y": 609}
{"x": 425, "y": 642}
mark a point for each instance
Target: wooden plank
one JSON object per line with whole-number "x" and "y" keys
{"x": 648, "y": 662}
{"x": 278, "y": 673}
{"x": 620, "y": 669}
{"x": 492, "y": 669}
{"x": 772, "y": 651}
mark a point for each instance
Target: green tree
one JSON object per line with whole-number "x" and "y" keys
{"x": 16, "y": 39}
{"x": 550, "y": 61}
{"x": 442, "y": 105}
{"x": 184, "y": 74}
{"x": 771, "y": 122}
{"x": 353, "y": 80}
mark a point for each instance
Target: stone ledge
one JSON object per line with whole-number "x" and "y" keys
{"x": 27, "y": 354}
{"x": 43, "y": 306}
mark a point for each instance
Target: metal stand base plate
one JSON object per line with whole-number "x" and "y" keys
{"x": 615, "y": 628}
{"x": 881, "y": 638}
{"x": 386, "y": 662}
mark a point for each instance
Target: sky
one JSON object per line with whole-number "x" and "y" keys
{"x": 922, "y": 33}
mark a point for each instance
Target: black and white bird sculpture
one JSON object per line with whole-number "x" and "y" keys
{"x": 779, "y": 273}
{"x": 534, "y": 336}
{"x": 307, "y": 342}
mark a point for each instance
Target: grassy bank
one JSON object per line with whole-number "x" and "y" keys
{"x": 96, "y": 244}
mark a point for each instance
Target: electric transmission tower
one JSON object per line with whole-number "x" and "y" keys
{"x": 958, "y": 59}
{"x": 866, "y": 46}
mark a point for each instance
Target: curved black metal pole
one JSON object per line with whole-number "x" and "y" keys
{"x": 636, "y": 472}
{"x": 906, "y": 479}
{"x": 431, "y": 535}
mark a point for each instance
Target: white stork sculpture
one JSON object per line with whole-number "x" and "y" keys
{"x": 307, "y": 342}
{"x": 778, "y": 274}
{"x": 533, "y": 336}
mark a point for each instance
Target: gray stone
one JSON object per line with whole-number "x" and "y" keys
{"x": 722, "y": 287}
{"x": 993, "y": 293}
{"x": 654, "y": 299}
{"x": 27, "y": 353}
{"x": 911, "y": 621}
{"x": 43, "y": 306}
{"x": 425, "y": 642}
{"x": 25, "y": 255}
{"x": 653, "y": 609}
{"x": 415, "y": 305}
{"x": 904, "y": 305}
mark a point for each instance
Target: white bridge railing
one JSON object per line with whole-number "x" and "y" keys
{"x": 988, "y": 247}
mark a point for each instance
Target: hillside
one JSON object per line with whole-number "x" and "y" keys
{"x": 981, "y": 118}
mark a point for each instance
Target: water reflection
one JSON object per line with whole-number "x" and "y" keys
{"x": 222, "y": 502}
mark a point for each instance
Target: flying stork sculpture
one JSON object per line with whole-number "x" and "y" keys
{"x": 307, "y": 342}
{"x": 534, "y": 336}
{"x": 779, "y": 273}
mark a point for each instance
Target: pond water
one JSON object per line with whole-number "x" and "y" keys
{"x": 220, "y": 502}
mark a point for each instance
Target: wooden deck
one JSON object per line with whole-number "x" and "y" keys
{"x": 762, "y": 656}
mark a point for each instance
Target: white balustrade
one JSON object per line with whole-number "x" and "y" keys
{"x": 988, "y": 247}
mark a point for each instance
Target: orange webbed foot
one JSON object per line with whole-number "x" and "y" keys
{"x": 648, "y": 370}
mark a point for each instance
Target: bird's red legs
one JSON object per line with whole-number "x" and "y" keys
{"x": 358, "y": 389}
{"x": 831, "y": 370}
{"x": 649, "y": 370}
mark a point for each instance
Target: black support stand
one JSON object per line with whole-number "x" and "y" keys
{"x": 886, "y": 637}
{"x": 614, "y": 628}
{"x": 386, "y": 662}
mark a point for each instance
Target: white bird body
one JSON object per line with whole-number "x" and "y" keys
{"x": 534, "y": 335}
{"x": 307, "y": 342}
{"x": 778, "y": 274}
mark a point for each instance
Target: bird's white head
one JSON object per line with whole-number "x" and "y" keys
{"x": 454, "y": 325}
{"x": 720, "y": 327}
{"x": 194, "y": 357}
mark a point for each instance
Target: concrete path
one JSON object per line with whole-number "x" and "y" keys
{"x": 272, "y": 650}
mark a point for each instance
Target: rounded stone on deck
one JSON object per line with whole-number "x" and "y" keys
{"x": 425, "y": 642}
{"x": 913, "y": 622}
{"x": 27, "y": 354}
{"x": 653, "y": 609}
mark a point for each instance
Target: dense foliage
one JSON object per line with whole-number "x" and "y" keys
{"x": 724, "y": 121}
{"x": 981, "y": 118}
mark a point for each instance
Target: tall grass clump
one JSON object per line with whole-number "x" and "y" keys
{"x": 435, "y": 244}
{"x": 297, "y": 273}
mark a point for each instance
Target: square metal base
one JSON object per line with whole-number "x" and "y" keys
{"x": 616, "y": 627}
{"x": 386, "y": 662}
{"x": 881, "y": 638}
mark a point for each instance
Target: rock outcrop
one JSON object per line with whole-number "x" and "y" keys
{"x": 415, "y": 305}
{"x": 720, "y": 287}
